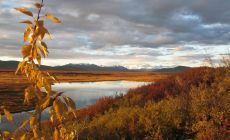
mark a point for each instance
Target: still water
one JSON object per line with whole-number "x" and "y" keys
{"x": 83, "y": 93}
{"x": 87, "y": 93}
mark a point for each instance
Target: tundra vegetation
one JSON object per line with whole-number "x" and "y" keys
{"x": 194, "y": 104}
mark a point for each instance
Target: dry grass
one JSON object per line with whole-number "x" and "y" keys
{"x": 12, "y": 86}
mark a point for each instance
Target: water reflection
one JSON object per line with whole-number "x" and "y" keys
{"x": 87, "y": 93}
{"x": 84, "y": 94}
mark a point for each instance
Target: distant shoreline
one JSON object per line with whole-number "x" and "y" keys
{"x": 12, "y": 86}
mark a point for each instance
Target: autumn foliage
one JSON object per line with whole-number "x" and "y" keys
{"x": 190, "y": 105}
{"x": 40, "y": 89}
{"x": 194, "y": 104}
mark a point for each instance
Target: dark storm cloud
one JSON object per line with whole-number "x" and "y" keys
{"x": 118, "y": 22}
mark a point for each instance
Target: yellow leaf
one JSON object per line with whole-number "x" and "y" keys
{"x": 44, "y": 49}
{"x": 45, "y": 103}
{"x": 38, "y": 5}
{"x": 36, "y": 133}
{"x": 20, "y": 66}
{"x": 33, "y": 121}
{"x": 70, "y": 103}
{"x": 35, "y": 53}
{"x": 6, "y": 133}
{"x": 53, "y": 77}
{"x": 47, "y": 32}
{"x": 44, "y": 44}
{"x": 47, "y": 86}
{"x": 53, "y": 18}
{"x": 8, "y": 115}
{"x": 27, "y": 34}
{"x": 39, "y": 84}
{"x": 23, "y": 137}
{"x": 62, "y": 106}
{"x": 0, "y": 117}
{"x": 59, "y": 108}
{"x": 56, "y": 109}
{"x": 56, "y": 135}
{"x": 24, "y": 11}
{"x": 52, "y": 114}
{"x": 26, "y": 97}
{"x": 38, "y": 92}
{"x": 26, "y": 50}
{"x": 31, "y": 39}
{"x": 27, "y": 22}
{"x": 39, "y": 59}
{"x": 23, "y": 124}
{"x": 39, "y": 23}
{"x": 41, "y": 33}
{"x": 29, "y": 93}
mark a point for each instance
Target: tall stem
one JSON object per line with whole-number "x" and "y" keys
{"x": 39, "y": 115}
{"x": 38, "y": 16}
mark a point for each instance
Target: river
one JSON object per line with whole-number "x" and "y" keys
{"x": 83, "y": 93}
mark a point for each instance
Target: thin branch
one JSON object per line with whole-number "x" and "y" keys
{"x": 38, "y": 16}
{"x": 39, "y": 115}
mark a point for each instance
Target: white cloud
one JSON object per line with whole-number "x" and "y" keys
{"x": 93, "y": 17}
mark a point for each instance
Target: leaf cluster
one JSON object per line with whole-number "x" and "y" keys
{"x": 40, "y": 89}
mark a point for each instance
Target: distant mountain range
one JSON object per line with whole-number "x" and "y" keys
{"x": 175, "y": 69}
{"x": 12, "y": 65}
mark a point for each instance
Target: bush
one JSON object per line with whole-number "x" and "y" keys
{"x": 191, "y": 105}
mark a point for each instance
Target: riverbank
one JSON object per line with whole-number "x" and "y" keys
{"x": 12, "y": 86}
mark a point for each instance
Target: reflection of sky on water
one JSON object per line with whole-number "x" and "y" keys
{"x": 87, "y": 93}
{"x": 84, "y": 94}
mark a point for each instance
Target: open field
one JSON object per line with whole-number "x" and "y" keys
{"x": 12, "y": 86}
{"x": 80, "y": 76}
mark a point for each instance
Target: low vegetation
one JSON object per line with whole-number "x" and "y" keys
{"x": 194, "y": 104}
{"x": 191, "y": 105}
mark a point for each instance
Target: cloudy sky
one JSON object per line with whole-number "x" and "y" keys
{"x": 131, "y": 33}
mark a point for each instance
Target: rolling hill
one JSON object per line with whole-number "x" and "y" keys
{"x": 12, "y": 65}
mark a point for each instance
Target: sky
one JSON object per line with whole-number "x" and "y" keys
{"x": 130, "y": 33}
